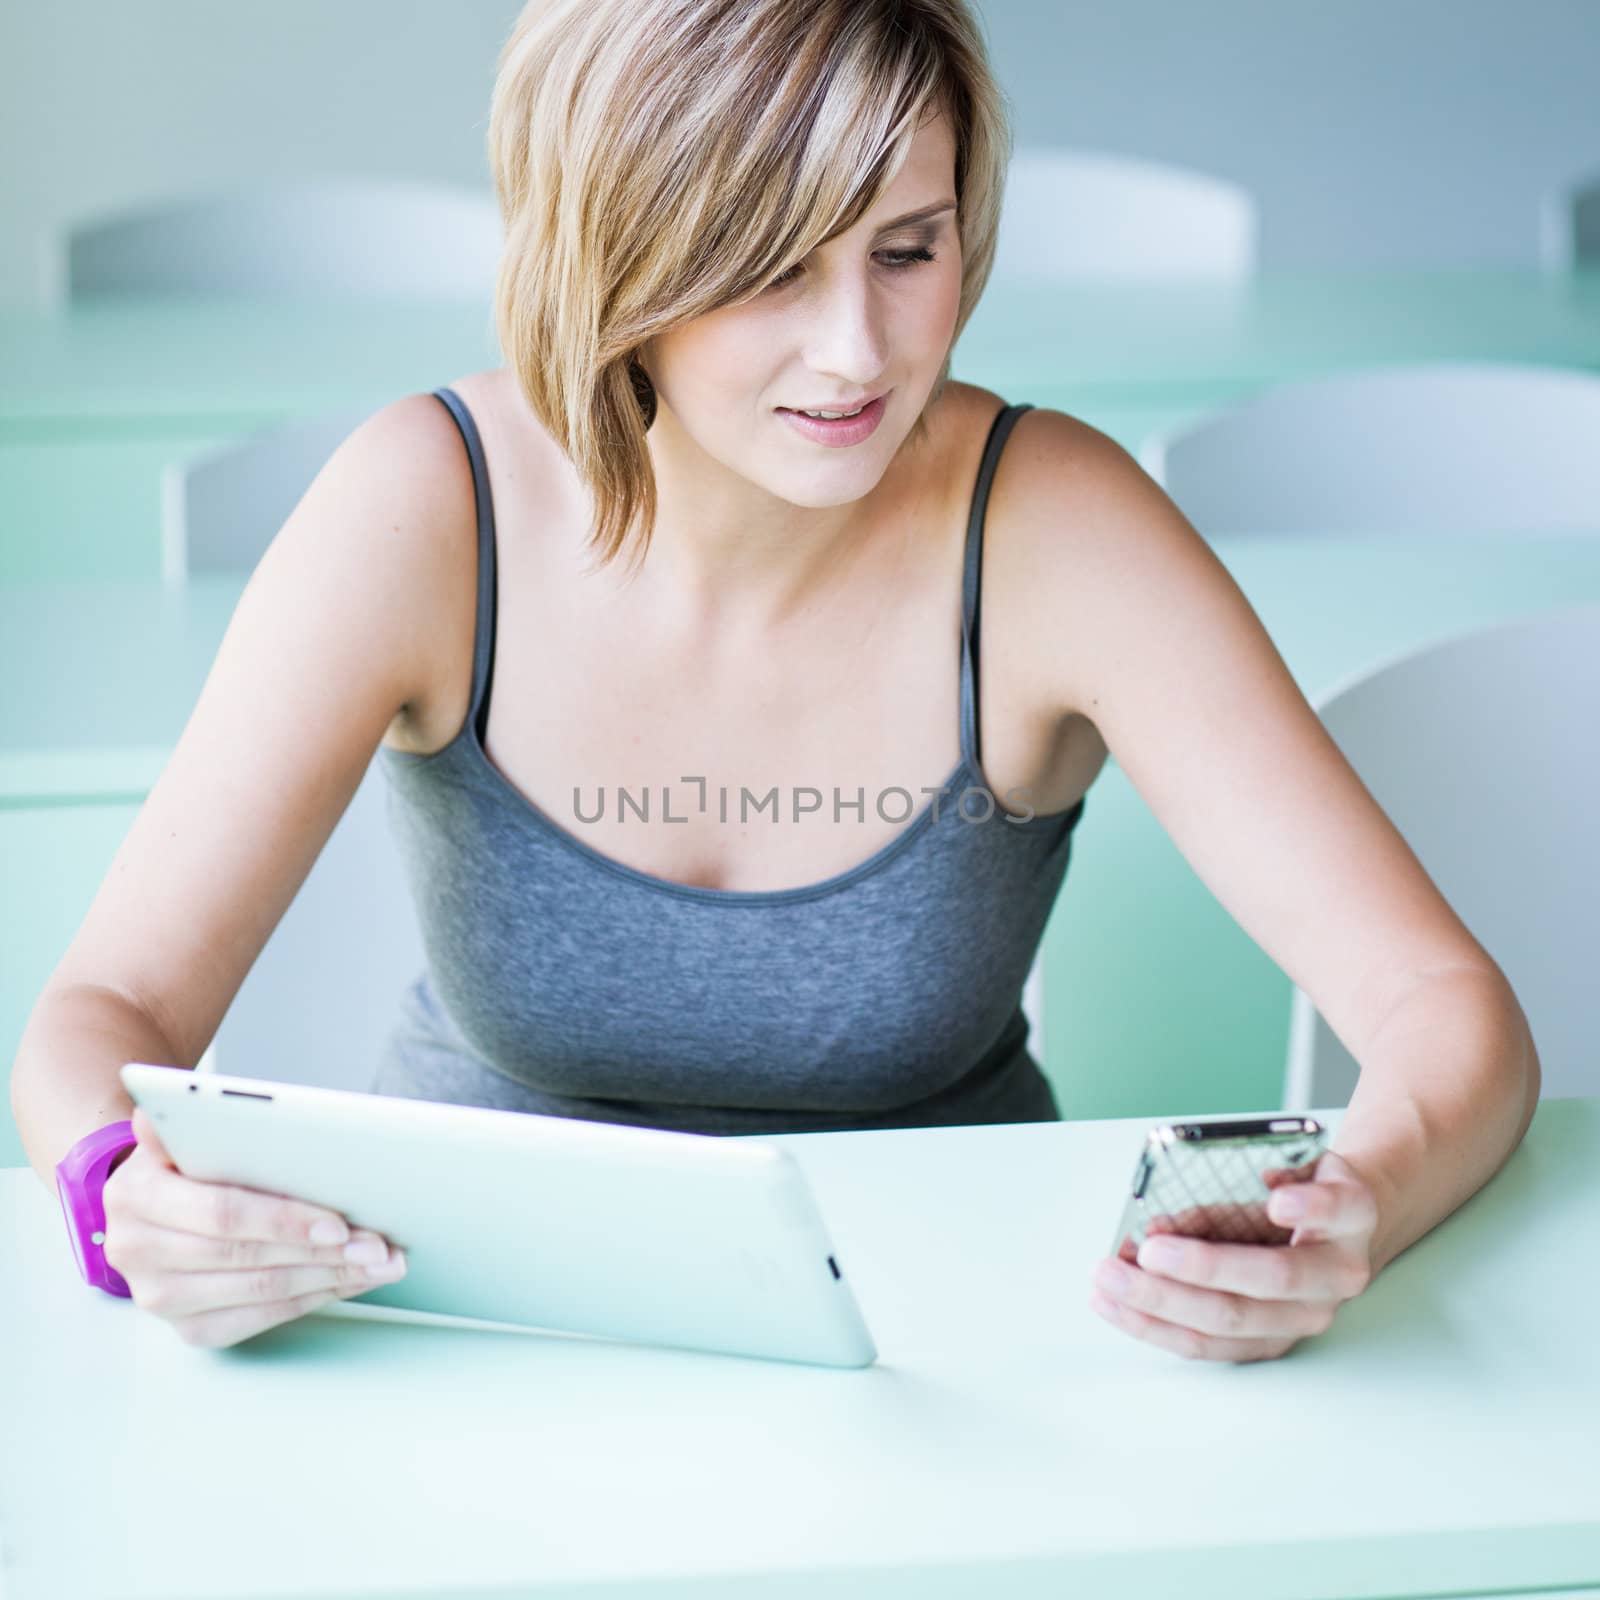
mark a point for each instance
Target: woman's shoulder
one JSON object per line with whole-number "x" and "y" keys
{"x": 404, "y": 484}
{"x": 530, "y": 483}
{"x": 1072, "y": 520}
{"x": 414, "y": 445}
{"x": 1041, "y": 446}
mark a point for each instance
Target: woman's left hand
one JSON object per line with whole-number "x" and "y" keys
{"x": 1211, "y": 1301}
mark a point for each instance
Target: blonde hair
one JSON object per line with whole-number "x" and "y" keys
{"x": 659, "y": 159}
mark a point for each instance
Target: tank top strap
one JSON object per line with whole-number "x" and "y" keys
{"x": 483, "y": 632}
{"x": 971, "y": 579}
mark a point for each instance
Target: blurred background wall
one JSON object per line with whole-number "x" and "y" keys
{"x": 1383, "y": 133}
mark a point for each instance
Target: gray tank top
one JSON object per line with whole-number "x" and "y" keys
{"x": 561, "y": 981}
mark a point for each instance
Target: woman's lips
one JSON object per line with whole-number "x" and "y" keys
{"x": 841, "y": 431}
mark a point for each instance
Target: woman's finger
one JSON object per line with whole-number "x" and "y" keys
{"x": 138, "y": 1244}
{"x": 144, "y": 1130}
{"x": 220, "y": 1211}
{"x": 1262, "y": 1271}
{"x": 177, "y": 1295}
{"x": 1189, "y": 1343}
{"x": 216, "y": 1329}
{"x": 1333, "y": 1208}
{"x": 1209, "y": 1311}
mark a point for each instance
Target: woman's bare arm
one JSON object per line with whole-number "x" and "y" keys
{"x": 334, "y": 637}
{"x": 1142, "y": 628}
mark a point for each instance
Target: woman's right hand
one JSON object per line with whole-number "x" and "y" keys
{"x": 222, "y": 1263}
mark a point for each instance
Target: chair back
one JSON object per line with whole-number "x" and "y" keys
{"x": 1448, "y": 448}
{"x": 220, "y": 510}
{"x": 331, "y": 240}
{"x": 1484, "y": 750}
{"x": 318, "y": 1004}
{"x": 1082, "y": 215}
{"x": 1570, "y": 228}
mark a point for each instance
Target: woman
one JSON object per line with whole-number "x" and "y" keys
{"x": 625, "y": 563}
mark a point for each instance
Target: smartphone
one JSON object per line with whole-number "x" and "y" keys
{"x": 1212, "y": 1179}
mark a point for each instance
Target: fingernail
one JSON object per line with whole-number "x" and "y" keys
{"x": 327, "y": 1231}
{"x": 1160, "y": 1253}
{"x": 373, "y": 1250}
{"x": 1289, "y": 1207}
{"x": 394, "y": 1267}
{"x": 1112, "y": 1277}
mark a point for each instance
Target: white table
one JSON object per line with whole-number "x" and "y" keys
{"x": 1443, "y": 1437}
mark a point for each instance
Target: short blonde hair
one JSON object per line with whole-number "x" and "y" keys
{"x": 659, "y": 159}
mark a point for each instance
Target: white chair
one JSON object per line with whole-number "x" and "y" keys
{"x": 1083, "y": 215}
{"x": 1570, "y": 228}
{"x": 1033, "y": 1009}
{"x": 220, "y": 509}
{"x": 320, "y": 998}
{"x": 1484, "y": 750}
{"x": 376, "y": 239}
{"x": 1451, "y": 448}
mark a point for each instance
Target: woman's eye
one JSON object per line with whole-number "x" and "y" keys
{"x": 896, "y": 260}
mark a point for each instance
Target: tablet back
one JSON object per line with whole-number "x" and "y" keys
{"x": 669, "y": 1238}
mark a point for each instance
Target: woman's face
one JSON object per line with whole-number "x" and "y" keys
{"x": 863, "y": 315}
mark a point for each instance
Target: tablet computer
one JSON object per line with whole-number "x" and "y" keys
{"x": 689, "y": 1240}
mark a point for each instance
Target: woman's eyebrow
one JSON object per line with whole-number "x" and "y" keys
{"x": 918, "y": 216}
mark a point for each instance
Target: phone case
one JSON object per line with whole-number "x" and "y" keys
{"x": 1212, "y": 1180}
